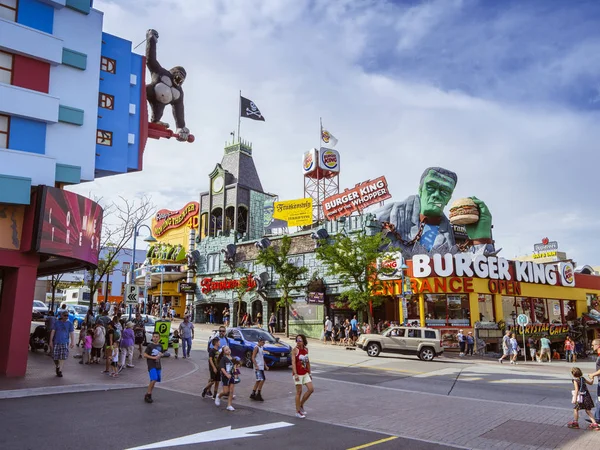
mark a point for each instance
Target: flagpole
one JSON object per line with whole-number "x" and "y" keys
{"x": 239, "y": 114}
{"x": 318, "y": 171}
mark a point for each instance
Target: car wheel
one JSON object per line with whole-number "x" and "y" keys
{"x": 76, "y": 324}
{"x": 427, "y": 354}
{"x": 248, "y": 360}
{"x": 373, "y": 349}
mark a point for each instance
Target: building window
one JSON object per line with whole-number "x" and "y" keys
{"x": 8, "y": 10}
{"x": 6, "y": 67}
{"x": 4, "y": 130}
{"x": 108, "y": 65}
{"x": 212, "y": 261}
{"x": 444, "y": 310}
{"x": 106, "y": 101}
{"x": 486, "y": 308}
{"x": 104, "y": 138}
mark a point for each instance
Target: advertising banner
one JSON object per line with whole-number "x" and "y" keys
{"x": 165, "y": 220}
{"x": 70, "y": 225}
{"x": 269, "y": 222}
{"x": 296, "y": 213}
{"x": 356, "y": 199}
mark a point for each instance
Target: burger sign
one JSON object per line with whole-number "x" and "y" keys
{"x": 389, "y": 266}
{"x": 329, "y": 160}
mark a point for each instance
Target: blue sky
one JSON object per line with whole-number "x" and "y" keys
{"x": 505, "y": 93}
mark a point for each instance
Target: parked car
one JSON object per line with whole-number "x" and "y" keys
{"x": 39, "y": 310}
{"x": 422, "y": 342}
{"x": 150, "y": 321}
{"x": 76, "y": 314}
{"x": 242, "y": 341}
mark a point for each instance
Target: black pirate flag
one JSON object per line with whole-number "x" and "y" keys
{"x": 249, "y": 110}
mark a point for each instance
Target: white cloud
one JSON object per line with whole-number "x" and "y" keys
{"x": 533, "y": 164}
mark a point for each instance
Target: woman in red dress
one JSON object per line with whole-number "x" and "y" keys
{"x": 301, "y": 373}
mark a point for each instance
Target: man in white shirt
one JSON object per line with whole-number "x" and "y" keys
{"x": 328, "y": 330}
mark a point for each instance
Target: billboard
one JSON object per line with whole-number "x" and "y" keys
{"x": 356, "y": 199}
{"x": 165, "y": 220}
{"x": 309, "y": 161}
{"x": 69, "y": 225}
{"x": 329, "y": 160}
{"x": 296, "y": 213}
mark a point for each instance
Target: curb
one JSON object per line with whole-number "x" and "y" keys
{"x": 70, "y": 389}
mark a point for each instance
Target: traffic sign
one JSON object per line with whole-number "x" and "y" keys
{"x": 131, "y": 294}
{"x": 163, "y": 328}
{"x": 523, "y": 320}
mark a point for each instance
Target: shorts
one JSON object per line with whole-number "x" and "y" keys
{"x": 175, "y": 345}
{"x": 215, "y": 376}
{"x": 114, "y": 364}
{"x": 154, "y": 374}
{"x": 506, "y": 351}
{"x": 227, "y": 381}
{"x": 60, "y": 352}
{"x": 302, "y": 379}
{"x": 328, "y": 334}
{"x": 260, "y": 375}
{"x": 139, "y": 340}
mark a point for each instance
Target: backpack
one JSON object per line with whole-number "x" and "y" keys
{"x": 117, "y": 334}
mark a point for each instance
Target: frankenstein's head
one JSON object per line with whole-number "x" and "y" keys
{"x": 435, "y": 190}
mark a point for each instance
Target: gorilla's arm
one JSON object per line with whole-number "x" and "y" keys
{"x": 151, "y": 61}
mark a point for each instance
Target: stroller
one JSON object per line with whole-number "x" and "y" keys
{"x": 39, "y": 339}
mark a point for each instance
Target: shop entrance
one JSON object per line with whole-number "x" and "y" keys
{"x": 257, "y": 308}
{"x": 234, "y": 316}
{"x": 211, "y": 313}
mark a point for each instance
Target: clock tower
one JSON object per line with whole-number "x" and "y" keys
{"x": 235, "y": 191}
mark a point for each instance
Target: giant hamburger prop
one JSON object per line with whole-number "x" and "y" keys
{"x": 464, "y": 211}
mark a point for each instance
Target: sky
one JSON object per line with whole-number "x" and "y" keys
{"x": 506, "y": 94}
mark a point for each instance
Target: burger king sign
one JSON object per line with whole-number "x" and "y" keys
{"x": 309, "y": 161}
{"x": 329, "y": 160}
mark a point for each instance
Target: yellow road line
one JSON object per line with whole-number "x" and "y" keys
{"x": 371, "y": 444}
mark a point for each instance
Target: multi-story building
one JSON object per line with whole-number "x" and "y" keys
{"x": 72, "y": 109}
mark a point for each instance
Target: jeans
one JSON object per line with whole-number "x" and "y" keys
{"x": 462, "y": 346}
{"x": 569, "y": 355}
{"x": 187, "y": 342}
{"x": 470, "y": 349}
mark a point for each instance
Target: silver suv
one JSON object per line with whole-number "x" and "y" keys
{"x": 423, "y": 342}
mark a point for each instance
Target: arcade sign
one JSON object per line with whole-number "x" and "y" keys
{"x": 166, "y": 220}
{"x": 356, "y": 199}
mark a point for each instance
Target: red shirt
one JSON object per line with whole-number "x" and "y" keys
{"x": 302, "y": 361}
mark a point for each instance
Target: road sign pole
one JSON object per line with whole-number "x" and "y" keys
{"x": 524, "y": 346}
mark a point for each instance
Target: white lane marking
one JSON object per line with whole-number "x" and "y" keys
{"x": 219, "y": 434}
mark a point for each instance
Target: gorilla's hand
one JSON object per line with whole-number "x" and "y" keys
{"x": 183, "y": 134}
{"x": 152, "y": 34}
{"x": 483, "y": 228}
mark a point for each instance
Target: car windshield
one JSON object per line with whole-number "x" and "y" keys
{"x": 81, "y": 309}
{"x": 38, "y": 304}
{"x": 253, "y": 335}
{"x": 148, "y": 321}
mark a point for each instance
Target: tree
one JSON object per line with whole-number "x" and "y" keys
{"x": 289, "y": 274}
{"x": 353, "y": 259}
{"x": 119, "y": 224}
{"x": 241, "y": 289}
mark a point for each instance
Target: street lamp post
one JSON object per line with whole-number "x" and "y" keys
{"x": 150, "y": 239}
{"x": 403, "y": 267}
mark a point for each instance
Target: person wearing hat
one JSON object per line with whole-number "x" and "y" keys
{"x": 470, "y": 343}
{"x": 127, "y": 344}
{"x": 62, "y": 338}
{"x": 258, "y": 361}
{"x": 461, "y": 342}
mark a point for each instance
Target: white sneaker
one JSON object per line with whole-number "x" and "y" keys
{"x": 217, "y": 401}
{"x": 230, "y": 408}
{"x": 303, "y": 411}
{"x": 299, "y": 415}
{"x": 512, "y": 362}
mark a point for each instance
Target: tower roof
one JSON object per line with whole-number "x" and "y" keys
{"x": 238, "y": 161}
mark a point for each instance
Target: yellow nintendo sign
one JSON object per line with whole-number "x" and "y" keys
{"x": 296, "y": 213}
{"x": 544, "y": 255}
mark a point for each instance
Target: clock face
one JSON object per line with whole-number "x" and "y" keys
{"x": 217, "y": 184}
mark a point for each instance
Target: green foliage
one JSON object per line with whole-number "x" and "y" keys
{"x": 241, "y": 289}
{"x": 276, "y": 257}
{"x": 353, "y": 260}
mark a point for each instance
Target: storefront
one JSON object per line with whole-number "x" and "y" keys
{"x": 488, "y": 306}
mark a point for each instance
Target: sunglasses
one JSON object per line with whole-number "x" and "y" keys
{"x": 221, "y": 331}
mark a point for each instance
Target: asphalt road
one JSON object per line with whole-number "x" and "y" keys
{"x": 120, "y": 419}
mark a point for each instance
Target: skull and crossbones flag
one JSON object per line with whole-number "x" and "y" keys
{"x": 249, "y": 110}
